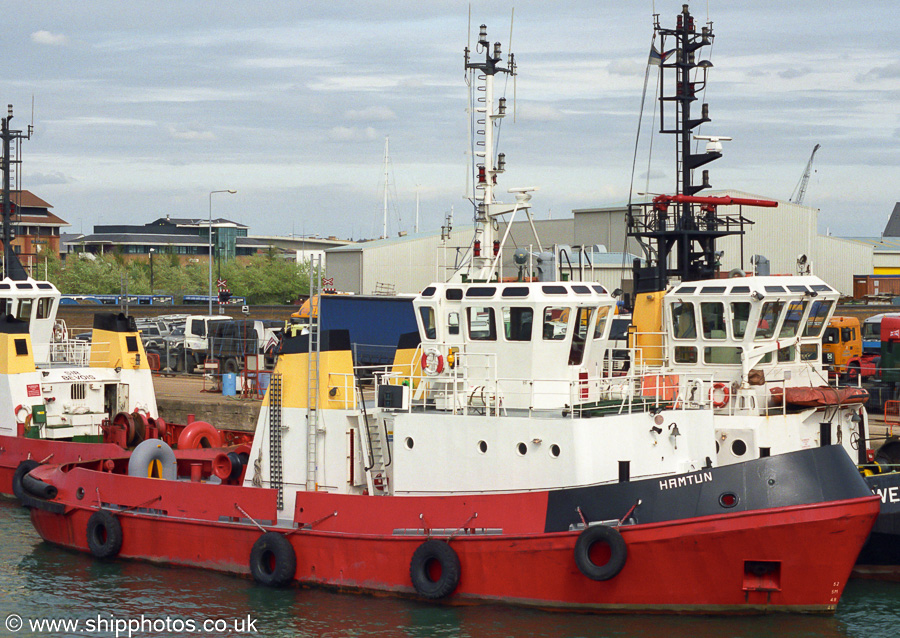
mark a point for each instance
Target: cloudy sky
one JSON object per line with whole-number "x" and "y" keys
{"x": 142, "y": 108}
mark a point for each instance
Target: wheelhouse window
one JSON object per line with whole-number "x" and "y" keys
{"x": 768, "y": 320}
{"x": 579, "y": 337}
{"x": 23, "y": 312}
{"x": 453, "y": 323}
{"x": 740, "y": 316}
{"x": 481, "y": 324}
{"x": 556, "y": 323}
{"x": 426, "y": 313}
{"x": 787, "y": 354}
{"x": 818, "y": 312}
{"x": 683, "y": 323}
{"x": 722, "y": 355}
{"x": 712, "y": 317}
{"x": 44, "y": 305}
{"x": 685, "y": 354}
{"x": 517, "y": 323}
{"x": 5, "y": 306}
{"x": 792, "y": 319}
{"x": 603, "y": 314}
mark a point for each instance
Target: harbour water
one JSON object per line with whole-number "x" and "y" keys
{"x": 40, "y": 583}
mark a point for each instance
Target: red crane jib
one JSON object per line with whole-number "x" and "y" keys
{"x": 665, "y": 200}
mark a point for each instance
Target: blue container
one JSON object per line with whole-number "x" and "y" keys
{"x": 229, "y": 384}
{"x": 263, "y": 381}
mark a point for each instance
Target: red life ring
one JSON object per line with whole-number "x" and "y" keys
{"x": 432, "y": 362}
{"x": 726, "y": 394}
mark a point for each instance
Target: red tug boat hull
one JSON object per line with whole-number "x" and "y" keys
{"x": 735, "y": 562}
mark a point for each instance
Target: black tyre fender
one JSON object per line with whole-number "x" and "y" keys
{"x": 888, "y": 453}
{"x": 21, "y": 470}
{"x": 272, "y": 560}
{"x": 231, "y": 365}
{"x": 429, "y": 552}
{"x": 104, "y": 534}
{"x": 617, "y": 549}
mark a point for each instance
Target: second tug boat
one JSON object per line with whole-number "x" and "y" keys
{"x": 486, "y": 470}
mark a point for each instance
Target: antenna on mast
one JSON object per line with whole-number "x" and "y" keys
{"x": 679, "y": 232}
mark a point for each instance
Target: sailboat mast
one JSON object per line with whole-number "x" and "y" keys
{"x": 386, "y": 180}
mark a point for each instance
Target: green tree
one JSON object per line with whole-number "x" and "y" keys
{"x": 85, "y": 273}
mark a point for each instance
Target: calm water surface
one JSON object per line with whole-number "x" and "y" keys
{"x": 41, "y": 582}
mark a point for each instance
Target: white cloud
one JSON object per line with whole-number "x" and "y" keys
{"x": 351, "y": 134}
{"x": 192, "y": 135}
{"x": 45, "y": 37}
{"x": 371, "y": 114}
{"x": 101, "y": 121}
{"x": 284, "y": 62}
{"x": 626, "y": 68}
{"x": 539, "y": 113}
{"x": 46, "y": 179}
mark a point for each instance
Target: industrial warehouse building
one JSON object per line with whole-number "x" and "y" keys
{"x": 781, "y": 235}
{"x": 407, "y": 264}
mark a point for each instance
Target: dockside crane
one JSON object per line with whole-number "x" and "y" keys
{"x": 800, "y": 190}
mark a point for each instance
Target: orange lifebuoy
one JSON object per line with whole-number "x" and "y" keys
{"x": 199, "y": 434}
{"x": 726, "y": 394}
{"x": 432, "y": 362}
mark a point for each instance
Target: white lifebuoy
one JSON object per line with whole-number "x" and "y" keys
{"x": 432, "y": 362}
{"x": 60, "y": 333}
{"x": 726, "y": 394}
{"x": 22, "y": 413}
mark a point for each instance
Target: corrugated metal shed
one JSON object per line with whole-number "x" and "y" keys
{"x": 781, "y": 235}
{"x": 405, "y": 264}
{"x": 410, "y": 263}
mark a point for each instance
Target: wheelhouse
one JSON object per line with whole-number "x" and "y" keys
{"x": 536, "y": 334}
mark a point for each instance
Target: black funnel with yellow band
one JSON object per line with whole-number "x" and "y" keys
{"x": 116, "y": 343}
{"x": 16, "y": 355}
{"x": 336, "y": 383}
{"x": 405, "y": 362}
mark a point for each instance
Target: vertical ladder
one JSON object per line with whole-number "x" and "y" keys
{"x": 312, "y": 372}
{"x": 276, "y": 461}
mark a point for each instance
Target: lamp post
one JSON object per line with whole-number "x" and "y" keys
{"x": 151, "y": 270}
{"x": 211, "y": 193}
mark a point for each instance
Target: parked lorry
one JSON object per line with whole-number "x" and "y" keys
{"x": 842, "y": 350}
{"x": 871, "y": 332}
{"x": 878, "y": 373}
{"x": 231, "y": 342}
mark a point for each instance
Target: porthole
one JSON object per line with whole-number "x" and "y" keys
{"x": 554, "y": 451}
{"x": 409, "y": 443}
{"x": 482, "y": 446}
{"x": 79, "y": 493}
{"x": 738, "y": 448}
{"x": 728, "y": 499}
{"x": 522, "y": 448}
